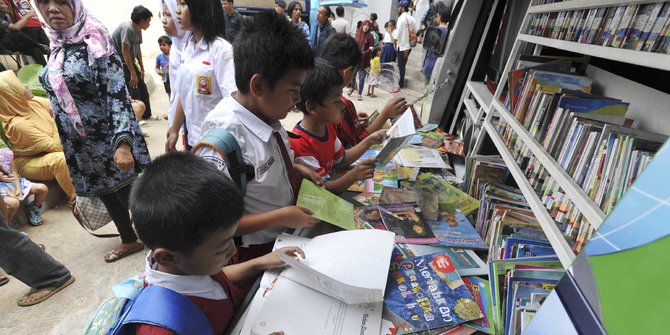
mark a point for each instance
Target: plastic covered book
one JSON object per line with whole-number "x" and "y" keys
{"x": 453, "y": 229}
{"x": 406, "y": 221}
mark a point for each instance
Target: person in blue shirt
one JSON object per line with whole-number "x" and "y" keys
{"x": 163, "y": 61}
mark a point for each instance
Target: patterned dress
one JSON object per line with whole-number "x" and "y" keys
{"x": 103, "y": 102}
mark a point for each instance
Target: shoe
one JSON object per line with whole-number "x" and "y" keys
{"x": 116, "y": 254}
{"x": 34, "y": 215}
{"x": 351, "y": 90}
{"x": 26, "y": 300}
{"x": 395, "y": 90}
{"x": 360, "y": 98}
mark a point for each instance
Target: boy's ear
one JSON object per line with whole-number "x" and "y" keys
{"x": 345, "y": 71}
{"x": 309, "y": 106}
{"x": 257, "y": 85}
{"x": 165, "y": 257}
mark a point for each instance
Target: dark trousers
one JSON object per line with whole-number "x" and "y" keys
{"x": 24, "y": 260}
{"x": 140, "y": 92}
{"x": 402, "y": 63}
{"x": 117, "y": 207}
{"x": 20, "y": 42}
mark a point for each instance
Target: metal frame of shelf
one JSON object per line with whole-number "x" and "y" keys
{"x": 584, "y": 4}
{"x": 550, "y": 228}
{"x": 648, "y": 59}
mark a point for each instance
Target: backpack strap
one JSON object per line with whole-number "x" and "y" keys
{"x": 168, "y": 309}
{"x": 225, "y": 144}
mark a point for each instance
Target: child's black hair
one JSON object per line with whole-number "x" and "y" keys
{"x": 342, "y": 51}
{"x": 390, "y": 22}
{"x": 445, "y": 13}
{"x": 375, "y": 50}
{"x": 269, "y": 45}
{"x": 207, "y": 16}
{"x": 180, "y": 200}
{"x": 140, "y": 13}
{"x": 319, "y": 83}
{"x": 164, "y": 39}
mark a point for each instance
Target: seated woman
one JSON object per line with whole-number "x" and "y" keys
{"x": 32, "y": 135}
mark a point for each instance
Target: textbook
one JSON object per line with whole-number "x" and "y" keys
{"x": 426, "y": 292}
{"x": 325, "y": 205}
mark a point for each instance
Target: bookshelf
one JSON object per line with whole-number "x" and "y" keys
{"x": 645, "y": 106}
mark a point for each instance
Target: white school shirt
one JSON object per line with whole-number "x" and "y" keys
{"x": 175, "y": 62}
{"x": 271, "y": 188}
{"x": 206, "y": 75}
{"x": 195, "y": 286}
{"x": 341, "y": 25}
{"x": 388, "y": 38}
{"x": 403, "y": 33}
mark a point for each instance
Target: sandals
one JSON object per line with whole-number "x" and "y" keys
{"x": 4, "y": 280}
{"x": 114, "y": 255}
{"x": 24, "y": 302}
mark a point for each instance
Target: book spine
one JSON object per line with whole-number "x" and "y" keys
{"x": 659, "y": 24}
{"x": 624, "y": 26}
{"x": 611, "y": 30}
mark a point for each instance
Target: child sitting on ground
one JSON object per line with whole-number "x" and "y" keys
{"x": 342, "y": 51}
{"x": 315, "y": 142}
{"x": 163, "y": 61}
{"x": 271, "y": 59}
{"x": 14, "y": 189}
{"x": 187, "y": 212}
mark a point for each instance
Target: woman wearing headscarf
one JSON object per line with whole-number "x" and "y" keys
{"x": 179, "y": 40}
{"x": 32, "y": 135}
{"x": 101, "y": 138}
{"x": 365, "y": 42}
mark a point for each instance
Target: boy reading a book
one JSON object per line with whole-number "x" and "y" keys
{"x": 271, "y": 59}
{"x": 343, "y": 52}
{"x": 186, "y": 212}
{"x": 315, "y": 142}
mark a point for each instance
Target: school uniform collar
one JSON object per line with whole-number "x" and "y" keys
{"x": 197, "y": 286}
{"x": 203, "y": 45}
{"x": 252, "y": 122}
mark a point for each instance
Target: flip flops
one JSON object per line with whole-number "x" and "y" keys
{"x": 114, "y": 255}
{"x": 4, "y": 280}
{"x": 50, "y": 292}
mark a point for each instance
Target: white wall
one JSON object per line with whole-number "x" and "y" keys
{"x": 112, "y": 13}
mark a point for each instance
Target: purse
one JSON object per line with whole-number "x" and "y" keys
{"x": 92, "y": 215}
{"x": 411, "y": 33}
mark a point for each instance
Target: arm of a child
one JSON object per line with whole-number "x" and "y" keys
{"x": 393, "y": 108}
{"x": 158, "y": 66}
{"x": 359, "y": 149}
{"x": 289, "y": 216}
{"x": 239, "y": 273}
{"x": 362, "y": 171}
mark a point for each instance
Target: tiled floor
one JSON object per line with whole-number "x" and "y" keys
{"x": 68, "y": 311}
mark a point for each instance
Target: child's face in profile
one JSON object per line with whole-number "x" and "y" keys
{"x": 331, "y": 108}
{"x": 165, "y": 48}
{"x": 210, "y": 256}
{"x": 275, "y": 102}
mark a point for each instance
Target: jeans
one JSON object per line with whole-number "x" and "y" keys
{"x": 117, "y": 206}
{"x": 140, "y": 92}
{"x": 361, "y": 80}
{"x": 402, "y": 63}
{"x": 24, "y": 260}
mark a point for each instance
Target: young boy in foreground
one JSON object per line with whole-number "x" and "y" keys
{"x": 186, "y": 212}
{"x": 342, "y": 51}
{"x": 315, "y": 142}
{"x": 271, "y": 58}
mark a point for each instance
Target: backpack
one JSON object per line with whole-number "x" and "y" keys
{"x": 412, "y": 34}
{"x": 225, "y": 144}
{"x": 155, "y": 305}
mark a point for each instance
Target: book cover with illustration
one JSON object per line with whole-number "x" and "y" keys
{"x": 453, "y": 229}
{"x": 479, "y": 288}
{"x": 426, "y": 292}
{"x": 406, "y": 221}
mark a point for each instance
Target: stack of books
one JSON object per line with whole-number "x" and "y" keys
{"x": 642, "y": 27}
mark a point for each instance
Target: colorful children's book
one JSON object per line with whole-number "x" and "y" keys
{"x": 448, "y": 195}
{"x": 367, "y": 199}
{"x": 480, "y": 290}
{"x": 382, "y": 177}
{"x": 406, "y": 222}
{"x": 466, "y": 261}
{"x": 426, "y": 292}
{"x": 453, "y": 229}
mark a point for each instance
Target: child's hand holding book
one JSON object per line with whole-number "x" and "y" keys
{"x": 363, "y": 170}
{"x": 272, "y": 260}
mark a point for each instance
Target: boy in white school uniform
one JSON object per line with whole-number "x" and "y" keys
{"x": 272, "y": 59}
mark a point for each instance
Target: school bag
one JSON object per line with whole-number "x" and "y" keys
{"x": 225, "y": 144}
{"x": 155, "y": 305}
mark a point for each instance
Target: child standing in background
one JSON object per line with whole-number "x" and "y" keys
{"x": 375, "y": 70}
{"x": 163, "y": 61}
{"x": 388, "y": 51}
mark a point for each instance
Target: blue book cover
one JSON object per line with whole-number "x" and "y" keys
{"x": 530, "y": 250}
{"x": 511, "y": 244}
{"x": 453, "y": 229}
{"x": 426, "y": 292}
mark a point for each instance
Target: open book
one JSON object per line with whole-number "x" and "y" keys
{"x": 337, "y": 289}
{"x": 399, "y": 135}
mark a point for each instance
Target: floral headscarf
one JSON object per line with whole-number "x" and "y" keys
{"x": 86, "y": 29}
